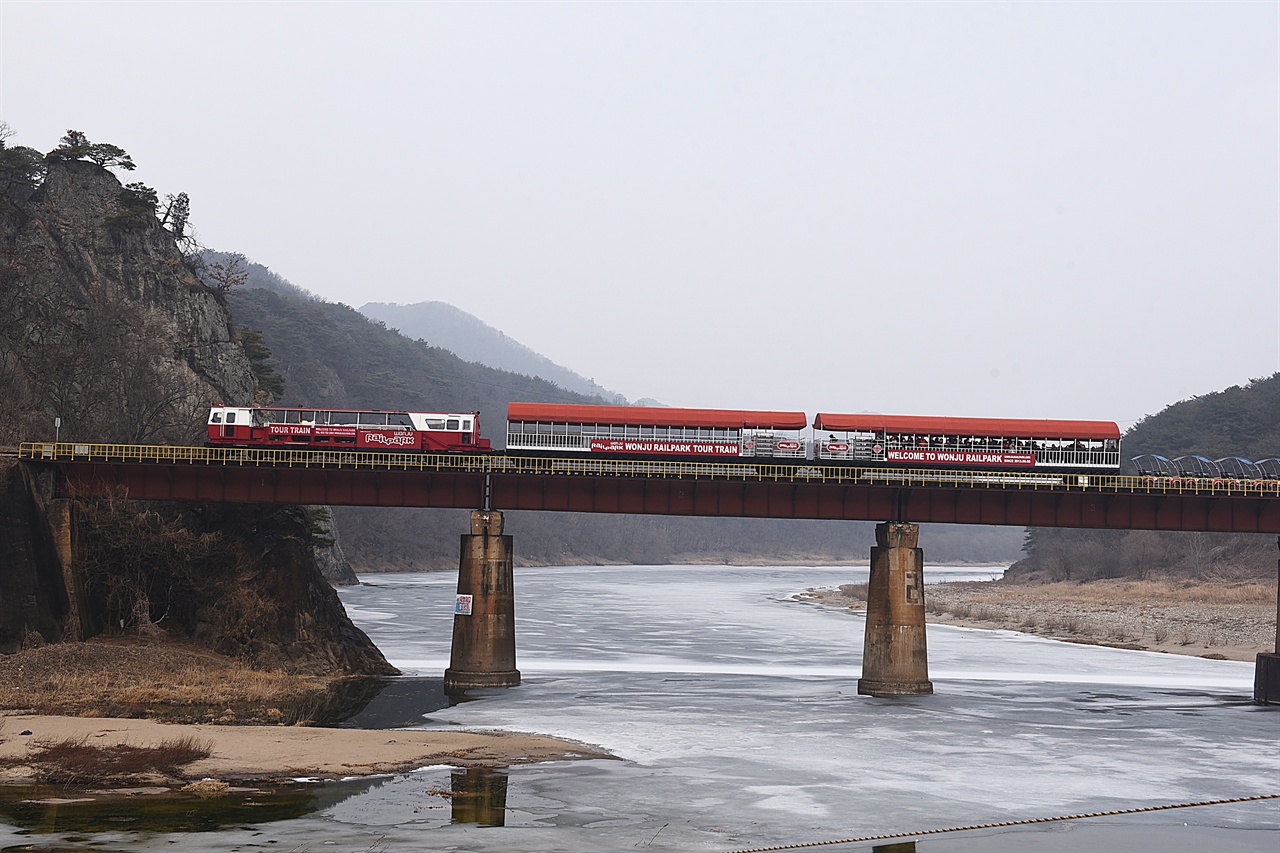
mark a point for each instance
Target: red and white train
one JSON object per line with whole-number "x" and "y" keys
{"x": 549, "y": 429}
{"x": 275, "y": 426}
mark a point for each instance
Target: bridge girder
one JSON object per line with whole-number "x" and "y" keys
{"x": 675, "y": 496}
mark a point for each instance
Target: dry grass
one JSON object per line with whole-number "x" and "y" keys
{"x": 1170, "y": 615}
{"x": 131, "y": 678}
{"x": 1170, "y": 591}
{"x": 75, "y": 761}
{"x": 1203, "y": 617}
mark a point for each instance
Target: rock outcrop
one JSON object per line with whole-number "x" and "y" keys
{"x": 102, "y": 321}
{"x": 105, "y": 324}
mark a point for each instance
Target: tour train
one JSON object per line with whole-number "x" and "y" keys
{"x": 655, "y": 433}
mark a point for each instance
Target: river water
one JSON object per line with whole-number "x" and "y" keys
{"x": 734, "y": 715}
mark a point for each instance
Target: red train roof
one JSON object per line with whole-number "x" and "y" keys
{"x": 653, "y": 416}
{"x": 996, "y": 427}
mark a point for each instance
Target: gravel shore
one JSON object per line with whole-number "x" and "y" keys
{"x": 1232, "y": 621}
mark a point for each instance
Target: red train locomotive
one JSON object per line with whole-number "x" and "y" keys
{"x": 425, "y": 432}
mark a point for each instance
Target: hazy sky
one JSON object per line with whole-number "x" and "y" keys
{"x": 1047, "y": 210}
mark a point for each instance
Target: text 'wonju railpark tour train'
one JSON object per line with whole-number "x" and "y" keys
{"x": 656, "y": 433}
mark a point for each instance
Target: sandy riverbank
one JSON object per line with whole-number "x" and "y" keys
{"x": 1228, "y": 620}
{"x": 139, "y": 693}
{"x": 277, "y": 753}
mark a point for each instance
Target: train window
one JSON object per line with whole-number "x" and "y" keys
{"x": 216, "y": 419}
{"x": 466, "y": 425}
{"x": 434, "y": 423}
{"x": 646, "y": 432}
{"x": 574, "y": 429}
{"x": 231, "y": 417}
{"x": 399, "y": 419}
{"x": 633, "y": 432}
{"x": 452, "y": 424}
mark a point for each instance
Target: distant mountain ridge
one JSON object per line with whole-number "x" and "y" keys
{"x": 471, "y": 339}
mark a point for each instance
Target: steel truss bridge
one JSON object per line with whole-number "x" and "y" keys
{"x": 694, "y": 488}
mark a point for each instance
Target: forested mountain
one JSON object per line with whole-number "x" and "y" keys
{"x": 472, "y": 339}
{"x": 1240, "y": 421}
{"x": 329, "y": 354}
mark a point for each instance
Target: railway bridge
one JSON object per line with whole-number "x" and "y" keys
{"x": 895, "y": 657}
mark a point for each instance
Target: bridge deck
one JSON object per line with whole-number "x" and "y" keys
{"x": 713, "y": 488}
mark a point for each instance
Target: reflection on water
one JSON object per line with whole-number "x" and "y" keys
{"x": 46, "y": 809}
{"x": 479, "y": 796}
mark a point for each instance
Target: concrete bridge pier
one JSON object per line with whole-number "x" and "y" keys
{"x": 484, "y": 620}
{"x": 1266, "y": 673}
{"x": 895, "y": 660}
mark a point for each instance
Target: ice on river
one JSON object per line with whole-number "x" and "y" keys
{"x": 735, "y": 710}
{"x": 738, "y": 707}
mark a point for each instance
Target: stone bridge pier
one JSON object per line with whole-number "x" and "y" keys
{"x": 1266, "y": 673}
{"x": 895, "y": 660}
{"x": 484, "y": 614}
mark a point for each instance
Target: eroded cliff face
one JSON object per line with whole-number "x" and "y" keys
{"x": 102, "y": 323}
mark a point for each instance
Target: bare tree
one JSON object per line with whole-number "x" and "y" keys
{"x": 225, "y": 275}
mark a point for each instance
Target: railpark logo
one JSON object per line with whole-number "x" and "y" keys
{"x": 396, "y": 439}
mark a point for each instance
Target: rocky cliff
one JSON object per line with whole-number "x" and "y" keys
{"x": 102, "y": 322}
{"x": 105, "y": 324}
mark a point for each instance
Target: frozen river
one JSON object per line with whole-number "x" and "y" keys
{"x": 735, "y": 712}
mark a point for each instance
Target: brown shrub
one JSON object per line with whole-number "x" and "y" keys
{"x": 75, "y": 761}
{"x": 854, "y": 590}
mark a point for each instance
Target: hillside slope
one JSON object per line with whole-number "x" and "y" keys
{"x": 1239, "y": 421}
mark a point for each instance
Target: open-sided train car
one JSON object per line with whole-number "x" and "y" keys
{"x": 277, "y": 426}
{"x": 932, "y": 442}
{"x": 650, "y": 432}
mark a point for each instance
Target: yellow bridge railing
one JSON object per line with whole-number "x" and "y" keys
{"x": 499, "y": 464}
